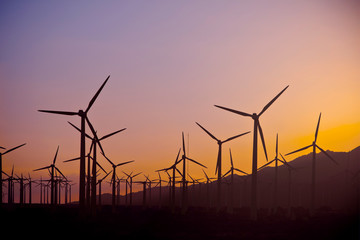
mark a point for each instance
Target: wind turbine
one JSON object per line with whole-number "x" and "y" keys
{"x": 131, "y": 182}
{"x": 276, "y": 160}
{"x": 83, "y": 115}
{"x": 290, "y": 170}
{"x": 144, "y": 192}
{"x": 99, "y": 182}
{"x": 184, "y": 188}
{"x": 193, "y": 191}
{"x": 1, "y": 154}
{"x": 313, "y": 175}
{"x": 208, "y": 181}
{"x": 52, "y": 172}
{"x": 174, "y": 169}
{"x": 113, "y": 179}
{"x": 10, "y": 180}
{"x": 257, "y": 127}
{"x": 218, "y": 163}
{"x": 159, "y": 183}
{"x": 95, "y": 141}
{"x": 231, "y": 171}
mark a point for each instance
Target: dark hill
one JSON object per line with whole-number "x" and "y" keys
{"x": 336, "y": 185}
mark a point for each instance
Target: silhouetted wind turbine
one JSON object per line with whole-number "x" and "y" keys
{"x": 83, "y": 116}
{"x": 257, "y": 127}
{"x": 184, "y": 189}
{"x": 10, "y": 180}
{"x": 113, "y": 179}
{"x": 276, "y": 160}
{"x": 130, "y": 176}
{"x": 208, "y": 181}
{"x": 231, "y": 171}
{"x": 52, "y": 172}
{"x": 144, "y": 192}
{"x": 290, "y": 169}
{"x": 313, "y": 177}
{"x": 174, "y": 169}
{"x": 99, "y": 182}
{"x": 95, "y": 141}
{"x": 1, "y": 154}
{"x": 218, "y": 163}
{"x": 160, "y": 189}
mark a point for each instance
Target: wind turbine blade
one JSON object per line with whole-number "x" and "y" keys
{"x": 283, "y": 158}
{"x": 262, "y": 140}
{"x": 140, "y": 173}
{"x": 236, "y": 169}
{"x": 124, "y": 163}
{"x": 195, "y": 162}
{"x": 91, "y": 127}
{"x": 207, "y": 132}
{"x": 331, "y": 158}
{"x": 108, "y": 159}
{"x": 60, "y": 172}
{"x": 218, "y": 161}
{"x": 235, "y": 111}
{"x": 5, "y": 174}
{"x": 126, "y": 174}
{"x": 96, "y": 95}
{"x": 42, "y": 168}
{"x": 277, "y": 145}
{"x": 229, "y": 139}
{"x": 109, "y": 135}
{"x": 57, "y": 150}
{"x": 164, "y": 169}
{"x": 106, "y": 175}
{"x": 226, "y": 173}
{"x": 298, "y": 150}
{"x": 191, "y": 178}
{"x": 272, "y": 101}
{"x": 91, "y": 147}
{"x": 179, "y": 172}
{"x": 231, "y": 160}
{"x": 205, "y": 174}
{"x": 79, "y": 130}
{"x": 183, "y": 142}
{"x": 59, "y": 112}
{"x": 177, "y": 157}
{"x": 101, "y": 167}
{"x": 100, "y": 146}
{"x": 74, "y": 159}
{"x": 2, "y": 147}
{"x": 12, "y": 149}
{"x": 268, "y": 163}
{"x": 317, "y": 128}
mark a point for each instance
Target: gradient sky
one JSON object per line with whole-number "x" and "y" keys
{"x": 170, "y": 62}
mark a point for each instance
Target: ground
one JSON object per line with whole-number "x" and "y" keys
{"x": 64, "y": 222}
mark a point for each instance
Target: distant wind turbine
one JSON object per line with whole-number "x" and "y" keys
{"x": 276, "y": 160}
{"x": 52, "y": 168}
{"x": 1, "y": 154}
{"x": 130, "y": 176}
{"x": 232, "y": 169}
{"x": 113, "y": 179}
{"x": 219, "y": 161}
{"x": 257, "y": 127}
{"x": 313, "y": 175}
{"x": 184, "y": 183}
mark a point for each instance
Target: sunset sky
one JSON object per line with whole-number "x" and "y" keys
{"x": 170, "y": 62}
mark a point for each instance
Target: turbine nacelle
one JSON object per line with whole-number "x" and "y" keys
{"x": 81, "y": 113}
